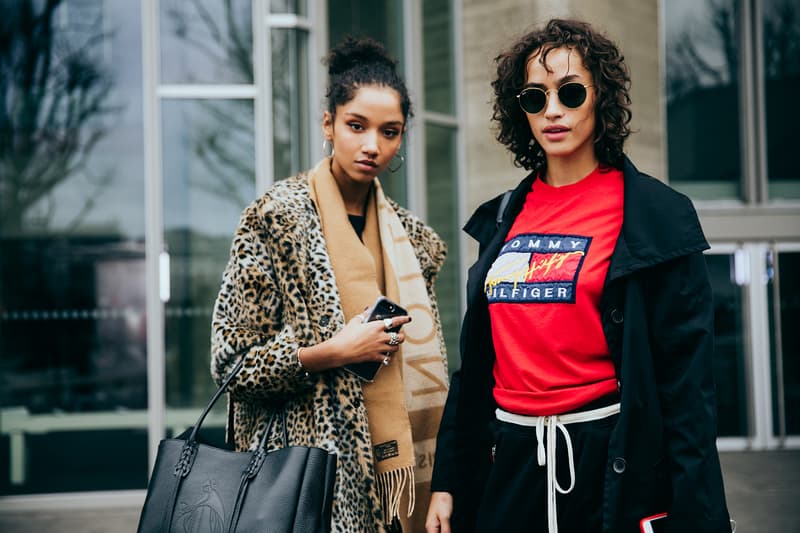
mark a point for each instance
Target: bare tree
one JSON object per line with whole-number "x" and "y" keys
{"x": 782, "y": 40}
{"x": 53, "y": 95}
{"x": 691, "y": 61}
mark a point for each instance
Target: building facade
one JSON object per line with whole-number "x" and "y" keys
{"x": 135, "y": 132}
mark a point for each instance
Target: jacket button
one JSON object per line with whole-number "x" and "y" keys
{"x": 324, "y": 320}
{"x": 616, "y": 316}
{"x": 619, "y": 465}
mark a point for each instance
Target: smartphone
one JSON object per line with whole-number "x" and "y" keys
{"x": 382, "y": 308}
{"x": 655, "y": 524}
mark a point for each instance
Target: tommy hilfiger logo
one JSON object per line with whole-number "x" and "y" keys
{"x": 536, "y": 268}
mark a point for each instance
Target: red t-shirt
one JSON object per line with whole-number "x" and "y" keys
{"x": 544, "y": 294}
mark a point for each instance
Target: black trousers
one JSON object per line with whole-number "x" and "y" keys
{"x": 515, "y": 499}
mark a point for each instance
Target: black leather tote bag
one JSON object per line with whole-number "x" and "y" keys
{"x": 198, "y": 487}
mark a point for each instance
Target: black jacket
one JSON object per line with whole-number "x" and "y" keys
{"x": 657, "y": 314}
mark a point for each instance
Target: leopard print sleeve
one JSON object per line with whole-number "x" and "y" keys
{"x": 249, "y": 311}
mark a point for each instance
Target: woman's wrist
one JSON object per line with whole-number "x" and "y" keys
{"x": 315, "y": 358}
{"x": 299, "y": 357}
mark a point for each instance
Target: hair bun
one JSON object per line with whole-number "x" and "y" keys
{"x": 354, "y": 52}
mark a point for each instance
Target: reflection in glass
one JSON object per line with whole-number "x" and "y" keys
{"x": 206, "y": 41}
{"x": 297, "y": 7}
{"x": 702, "y": 91}
{"x": 729, "y": 374}
{"x": 289, "y": 102}
{"x": 208, "y": 180}
{"x": 380, "y": 19}
{"x": 438, "y": 56}
{"x": 782, "y": 69}
{"x": 788, "y": 275}
{"x": 72, "y": 310}
{"x": 442, "y": 186}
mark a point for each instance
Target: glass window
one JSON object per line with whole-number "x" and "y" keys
{"x": 382, "y": 20}
{"x": 438, "y": 56}
{"x": 72, "y": 273}
{"x": 729, "y": 371}
{"x": 782, "y": 69}
{"x": 297, "y": 7}
{"x": 289, "y": 102}
{"x": 702, "y": 92}
{"x": 206, "y": 41}
{"x": 208, "y": 180}
{"x": 786, "y": 336}
{"x": 442, "y": 192}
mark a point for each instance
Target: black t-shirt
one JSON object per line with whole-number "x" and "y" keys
{"x": 358, "y": 223}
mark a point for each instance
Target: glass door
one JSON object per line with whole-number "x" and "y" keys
{"x": 73, "y": 384}
{"x": 207, "y": 98}
{"x": 233, "y": 116}
{"x": 757, "y": 356}
{"x": 783, "y": 267}
{"x": 728, "y": 281}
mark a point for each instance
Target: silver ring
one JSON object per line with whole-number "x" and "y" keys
{"x": 394, "y": 339}
{"x": 387, "y": 323}
{"x": 386, "y": 360}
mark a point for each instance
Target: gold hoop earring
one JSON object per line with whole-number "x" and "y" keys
{"x": 326, "y": 145}
{"x": 397, "y": 167}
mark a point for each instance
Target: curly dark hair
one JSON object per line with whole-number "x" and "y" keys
{"x": 610, "y": 77}
{"x": 360, "y": 62}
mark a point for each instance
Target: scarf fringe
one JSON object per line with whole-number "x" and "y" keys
{"x": 390, "y": 490}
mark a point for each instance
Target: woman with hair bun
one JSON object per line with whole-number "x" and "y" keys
{"x": 585, "y": 398}
{"x": 308, "y": 258}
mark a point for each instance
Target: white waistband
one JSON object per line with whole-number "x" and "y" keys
{"x": 568, "y": 418}
{"x": 555, "y": 423}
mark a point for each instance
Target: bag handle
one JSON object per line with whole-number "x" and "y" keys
{"x": 256, "y": 460}
{"x": 186, "y": 460}
{"x": 501, "y": 211}
{"x": 189, "y": 451}
{"x": 220, "y": 391}
{"x": 193, "y": 435}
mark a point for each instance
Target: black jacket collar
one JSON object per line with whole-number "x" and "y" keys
{"x": 659, "y": 224}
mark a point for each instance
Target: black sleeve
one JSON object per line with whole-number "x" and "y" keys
{"x": 445, "y": 463}
{"x": 682, "y": 316}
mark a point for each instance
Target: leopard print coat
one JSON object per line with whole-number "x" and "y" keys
{"x": 278, "y": 293}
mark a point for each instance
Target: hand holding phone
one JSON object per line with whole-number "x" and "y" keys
{"x": 382, "y": 308}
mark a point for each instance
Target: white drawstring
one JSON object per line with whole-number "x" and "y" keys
{"x": 553, "y": 425}
{"x": 547, "y": 458}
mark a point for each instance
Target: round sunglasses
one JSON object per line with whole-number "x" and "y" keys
{"x": 533, "y": 99}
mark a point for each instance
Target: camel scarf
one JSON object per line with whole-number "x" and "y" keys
{"x": 404, "y": 404}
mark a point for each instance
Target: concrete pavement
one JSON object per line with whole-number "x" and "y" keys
{"x": 763, "y": 490}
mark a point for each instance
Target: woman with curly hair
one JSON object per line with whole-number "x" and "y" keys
{"x": 309, "y": 256}
{"x": 585, "y": 400}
